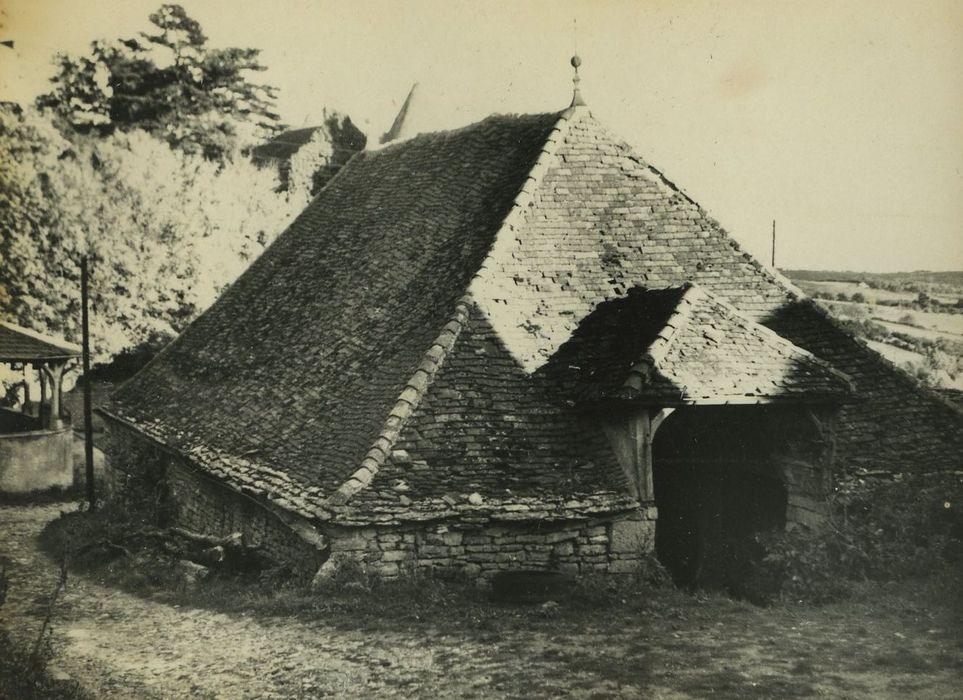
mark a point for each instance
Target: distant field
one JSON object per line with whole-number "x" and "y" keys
{"x": 850, "y": 288}
{"x": 952, "y": 278}
{"x": 902, "y": 334}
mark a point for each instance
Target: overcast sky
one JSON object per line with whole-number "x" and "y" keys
{"x": 843, "y": 121}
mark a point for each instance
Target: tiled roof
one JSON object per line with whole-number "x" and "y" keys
{"x": 300, "y": 362}
{"x": 486, "y": 426}
{"x": 394, "y": 346}
{"x": 19, "y": 344}
{"x": 680, "y": 346}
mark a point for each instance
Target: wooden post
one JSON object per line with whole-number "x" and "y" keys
{"x": 53, "y": 373}
{"x": 88, "y": 417}
{"x": 41, "y": 414}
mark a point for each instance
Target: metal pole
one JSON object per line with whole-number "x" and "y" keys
{"x": 88, "y": 418}
{"x": 774, "y": 243}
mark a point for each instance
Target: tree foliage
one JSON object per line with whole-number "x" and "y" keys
{"x": 170, "y": 83}
{"x": 165, "y": 231}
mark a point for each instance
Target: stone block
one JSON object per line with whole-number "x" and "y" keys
{"x": 563, "y": 549}
{"x": 434, "y": 551}
{"x": 353, "y": 541}
{"x": 394, "y": 555}
{"x": 592, "y": 549}
{"x": 388, "y": 569}
{"x": 632, "y": 537}
{"x": 452, "y": 538}
{"x": 560, "y": 536}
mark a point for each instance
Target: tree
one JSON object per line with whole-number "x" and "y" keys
{"x": 165, "y": 231}
{"x": 170, "y": 83}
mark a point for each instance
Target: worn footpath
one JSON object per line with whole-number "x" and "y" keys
{"x": 121, "y": 646}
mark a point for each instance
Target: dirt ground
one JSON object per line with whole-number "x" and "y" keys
{"x": 117, "y": 645}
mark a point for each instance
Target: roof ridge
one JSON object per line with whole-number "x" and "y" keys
{"x": 405, "y": 406}
{"x": 376, "y": 149}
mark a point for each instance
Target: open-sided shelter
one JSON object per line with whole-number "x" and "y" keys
{"x": 36, "y": 442}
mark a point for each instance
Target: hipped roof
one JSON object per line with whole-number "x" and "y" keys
{"x": 299, "y": 383}
{"x": 682, "y": 346}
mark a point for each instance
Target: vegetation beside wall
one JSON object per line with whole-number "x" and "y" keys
{"x": 881, "y": 531}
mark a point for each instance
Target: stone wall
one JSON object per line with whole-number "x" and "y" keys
{"x": 36, "y": 460}
{"x": 616, "y": 544}
{"x": 169, "y": 491}
{"x": 204, "y": 505}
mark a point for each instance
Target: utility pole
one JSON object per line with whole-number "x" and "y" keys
{"x": 773, "y": 243}
{"x": 88, "y": 417}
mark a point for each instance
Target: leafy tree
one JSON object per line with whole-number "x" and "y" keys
{"x": 170, "y": 83}
{"x": 165, "y": 231}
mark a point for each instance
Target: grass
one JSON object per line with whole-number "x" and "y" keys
{"x": 24, "y": 672}
{"x": 24, "y": 675}
{"x": 605, "y": 637}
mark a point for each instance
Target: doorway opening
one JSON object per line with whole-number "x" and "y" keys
{"x": 716, "y": 485}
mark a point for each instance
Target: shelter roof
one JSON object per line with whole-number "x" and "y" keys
{"x": 682, "y": 346}
{"x": 19, "y": 344}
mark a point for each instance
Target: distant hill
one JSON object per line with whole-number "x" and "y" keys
{"x": 952, "y": 278}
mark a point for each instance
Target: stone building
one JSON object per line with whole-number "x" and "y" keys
{"x": 308, "y": 157}
{"x": 513, "y": 345}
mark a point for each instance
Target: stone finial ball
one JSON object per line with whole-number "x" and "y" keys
{"x": 576, "y": 62}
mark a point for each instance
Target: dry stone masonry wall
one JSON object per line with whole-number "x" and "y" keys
{"x": 614, "y": 545}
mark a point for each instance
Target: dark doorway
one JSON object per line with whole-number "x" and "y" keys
{"x": 715, "y": 485}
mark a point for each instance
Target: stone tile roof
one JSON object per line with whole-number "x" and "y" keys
{"x": 682, "y": 346}
{"x": 486, "y": 426}
{"x": 19, "y": 344}
{"x": 388, "y": 349}
{"x": 299, "y": 364}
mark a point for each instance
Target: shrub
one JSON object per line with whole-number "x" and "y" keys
{"x": 886, "y": 531}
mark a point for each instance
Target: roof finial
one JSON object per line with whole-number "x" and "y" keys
{"x": 577, "y": 100}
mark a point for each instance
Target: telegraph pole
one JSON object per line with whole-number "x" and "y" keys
{"x": 773, "y": 243}
{"x": 88, "y": 417}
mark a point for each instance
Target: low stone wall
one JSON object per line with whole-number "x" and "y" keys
{"x": 204, "y": 505}
{"x": 615, "y": 544}
{"x": 36, "y": 460}
{"x": 170, "y": 491}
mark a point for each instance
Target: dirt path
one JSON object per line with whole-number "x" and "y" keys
{"x": 121, "y": 646}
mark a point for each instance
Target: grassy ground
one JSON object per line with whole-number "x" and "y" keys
{"x": 427, "y": 636}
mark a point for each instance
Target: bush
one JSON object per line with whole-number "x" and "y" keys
{"x": 881, "y": 532}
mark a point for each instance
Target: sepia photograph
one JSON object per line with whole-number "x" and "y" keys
{"x": 481, "y": 349}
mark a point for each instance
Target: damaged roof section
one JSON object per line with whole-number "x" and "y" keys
{"x": 682, "y": 346}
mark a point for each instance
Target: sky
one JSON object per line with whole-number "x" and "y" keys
{"x": 842, "y": 121}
